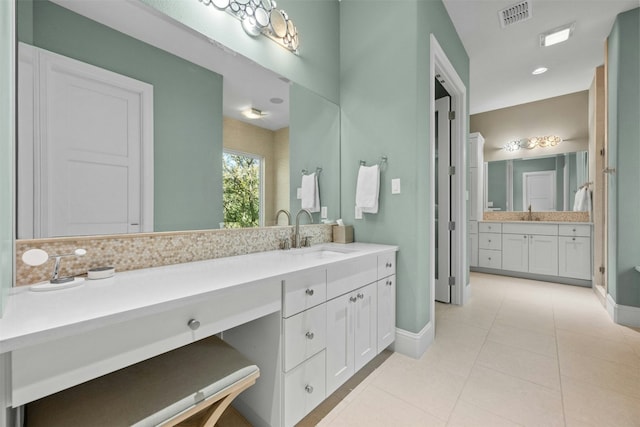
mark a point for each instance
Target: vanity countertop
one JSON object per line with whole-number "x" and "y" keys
{"x": 35, "y": 317}
{"x": 535, "y": 222}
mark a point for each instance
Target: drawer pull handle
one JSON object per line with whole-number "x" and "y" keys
{"x": 489, "y": 258}
{"x": 573, "y": 238}
{"x": 389, "y": 283}
{"x": 193, "y": 324}
{"x": 389, "y": 265}
{"x": 360, "y": 296}
{"x": 525, "y": 237}
{"x": 489, "y": 240}
{"x": 309, "y": 335}
{"x": 574, "y": 230}
{"x": 353, "y": 299}
{"x": 308, "y": 388}
{"x": 309, "y": 292}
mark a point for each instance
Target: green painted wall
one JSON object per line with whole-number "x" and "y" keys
{"x": 497, "y": 184}
{"x": 318, "y": 25}
{"x": 624, "y": 155}
{"x": 7, "y": 156}
{"x": 317, "y": 120}
{"x": 384, "y": 98}
{"x": 187, "y": 109}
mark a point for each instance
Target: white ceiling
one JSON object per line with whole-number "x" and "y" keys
{"x": 245, "y": 83}
{"x": 501, "y": 60}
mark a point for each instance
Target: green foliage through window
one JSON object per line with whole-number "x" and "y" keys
{"x": 241, "y": 190}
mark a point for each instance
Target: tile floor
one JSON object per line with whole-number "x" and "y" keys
{"x": 521, "y": 352}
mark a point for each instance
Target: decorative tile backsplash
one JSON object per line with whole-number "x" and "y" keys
{"x": 135, "y": 251}
{"x": 560, "y": 216}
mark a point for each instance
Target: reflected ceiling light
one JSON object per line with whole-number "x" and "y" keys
{"x": 557, "y": 35}
{"x": 262, "y": 17}
{"x": 539, "y": 70}
{"x": 253, "y": 113}
{"x": 276, "y": 100}
{"x": 533, "y": 142}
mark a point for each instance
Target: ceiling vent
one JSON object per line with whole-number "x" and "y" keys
{"x": 513, "y": 14}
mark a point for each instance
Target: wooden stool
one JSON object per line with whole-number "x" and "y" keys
{"x": 165, "y": 390}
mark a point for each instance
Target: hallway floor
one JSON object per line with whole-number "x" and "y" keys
{"x": 521, "y": 352}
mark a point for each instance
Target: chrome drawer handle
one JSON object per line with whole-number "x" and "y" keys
{"x": 361, "y": 296}
{"x": 193, "y": 324}
{"x": 309, "y": 335}
{"x": 309, "y": 292}
{"x": 389, "y": 265}
{"x": 353, "y": 299}
{"x": 308, "y": 388}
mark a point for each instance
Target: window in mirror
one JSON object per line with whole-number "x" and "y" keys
{"x": 242, "y": 177}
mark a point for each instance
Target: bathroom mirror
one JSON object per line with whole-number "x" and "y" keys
{"x": 561, "y": 175}
{"x": 130, "y": 39}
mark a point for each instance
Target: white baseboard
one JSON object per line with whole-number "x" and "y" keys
{"x": 623, "y": 314}
{"x": 414, "y": 344}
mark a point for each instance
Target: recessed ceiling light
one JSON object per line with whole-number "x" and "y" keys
{"x": 557, "y": 35}
{"x": 276, "y": 100}
{"x": 539, "y": 70}
{"x": 253, "y": 113}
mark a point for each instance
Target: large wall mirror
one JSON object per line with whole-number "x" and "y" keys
{"x": 547, "y": 183}
{"x": 190, "y": 114}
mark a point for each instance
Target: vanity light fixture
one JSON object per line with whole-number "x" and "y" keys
{"x": 262, "y": 17}
{"x": 557, "y": 35}
{"x": 253, "y": 113}
{"x": 539, "y": 70}
{"x": 533, "y": 142}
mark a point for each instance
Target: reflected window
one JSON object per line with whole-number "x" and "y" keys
{"x": 242, "y": 178}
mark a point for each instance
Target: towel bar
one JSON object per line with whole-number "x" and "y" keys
{"x": 382, "y": 163}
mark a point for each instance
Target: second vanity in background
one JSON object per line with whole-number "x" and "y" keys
{"x": 550, "y": 251}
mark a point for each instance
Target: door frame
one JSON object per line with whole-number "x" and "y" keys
{"x": 439, "y": 64}
{"x": 443, "y": 234}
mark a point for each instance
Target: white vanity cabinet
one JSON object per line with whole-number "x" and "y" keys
{"x": 531, "y": 248}
{"x": 574, "y": 251}
{"x": 386, "y": 300}
{"x": 489, "y": 245}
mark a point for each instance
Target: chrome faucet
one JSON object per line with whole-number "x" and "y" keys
{"x": 286, "y": 212}
{"x": 296, "y": 236}
{"x": 530, "y": 216}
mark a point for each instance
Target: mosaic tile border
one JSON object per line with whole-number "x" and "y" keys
{"x": 563, "y": 216}
{"x": 144, "y": 250}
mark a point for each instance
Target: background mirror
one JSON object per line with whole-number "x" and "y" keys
{"x": 193, "y": 89}
{"x": 558, "y": 178}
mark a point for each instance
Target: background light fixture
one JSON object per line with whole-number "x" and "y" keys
{"x": 253, "y": 113}
{"x": 539, "y": 70}
{"x": 533, "y": 142}
{"x": 557, "y": 35}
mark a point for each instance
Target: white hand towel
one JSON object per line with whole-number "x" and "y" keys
{"x": 310, "y": 193}
{"x": 367, "y": 188}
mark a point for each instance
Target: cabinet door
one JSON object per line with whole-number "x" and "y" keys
{"x": 574, "y": 257}
{"x": 339, "y": 340}
{"x": 543, "y": 254}
{"x": 365, "y": 329}
{"x": 473, "y": 249}
{"x": 386, "y": 312}
{"x": 515, "y": 252}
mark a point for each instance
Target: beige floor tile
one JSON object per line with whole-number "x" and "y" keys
{"x": 513, "y": 398}
{"x": 475, "y": 315}
{"x": 466, "y": 414}
{"x": 376, "y": 408}
{"x": 538, "y": 342}
{"x": 584, "y": 403}
{"x": 593, "y": 322}
{"x": 453, "y": 330}
{"x": 527, "y": 319}
{"x": 430, "y": 389}
{"x": 613, "y": 351}
{"x": 523, "y": 364}
{"x": 455, "y": 357}
{"x": 619, "y": 378}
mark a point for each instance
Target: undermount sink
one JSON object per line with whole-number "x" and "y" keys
{"x": 317, "y": 252}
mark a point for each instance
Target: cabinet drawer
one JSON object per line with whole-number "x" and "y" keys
{"x": 574, "y": 230}
{"x": 305, "y": 334}
{"x": 386, "y": 264}
{"x": 352, "y": 274}
{"x": 490, "y": 227}
{"x": 488, "y": 258}
{"x": 529, "y": 228}
{"x": 304, "y": 290}
{"x": 304, "y": 389}
{"x": 490, "y": 241}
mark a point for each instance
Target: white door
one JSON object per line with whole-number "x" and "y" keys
{"x": 92, "y": 156}
{"x": 443, "y": 200}
{"x": 539, "y": 191}
{"x": 365, "y": 332}
{"x": 339, "y": 340}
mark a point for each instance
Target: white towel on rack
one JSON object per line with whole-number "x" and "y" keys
{"x": 582, "y": 200}
{"x": 310, "y": 193}
{"x": 367, "y": 188}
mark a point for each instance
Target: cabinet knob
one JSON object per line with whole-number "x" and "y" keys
{"x": 489, "y": 240}
{"x": 389, "y": 283}
{"x": 193, "y": 324}
{"x": 489, "y": 258}
{"x": 308, "y": 388}
{"x": 574, "y": 230}
{"x": 360, "y": 296}
{"x": 309, "y": 335}
{"x": 353, "y": 299}
{"x": 389, "y": 265}
{"x": 573, "y": 238}
{"x": 525, "y": 237}
{"x": 309, "y": 292}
